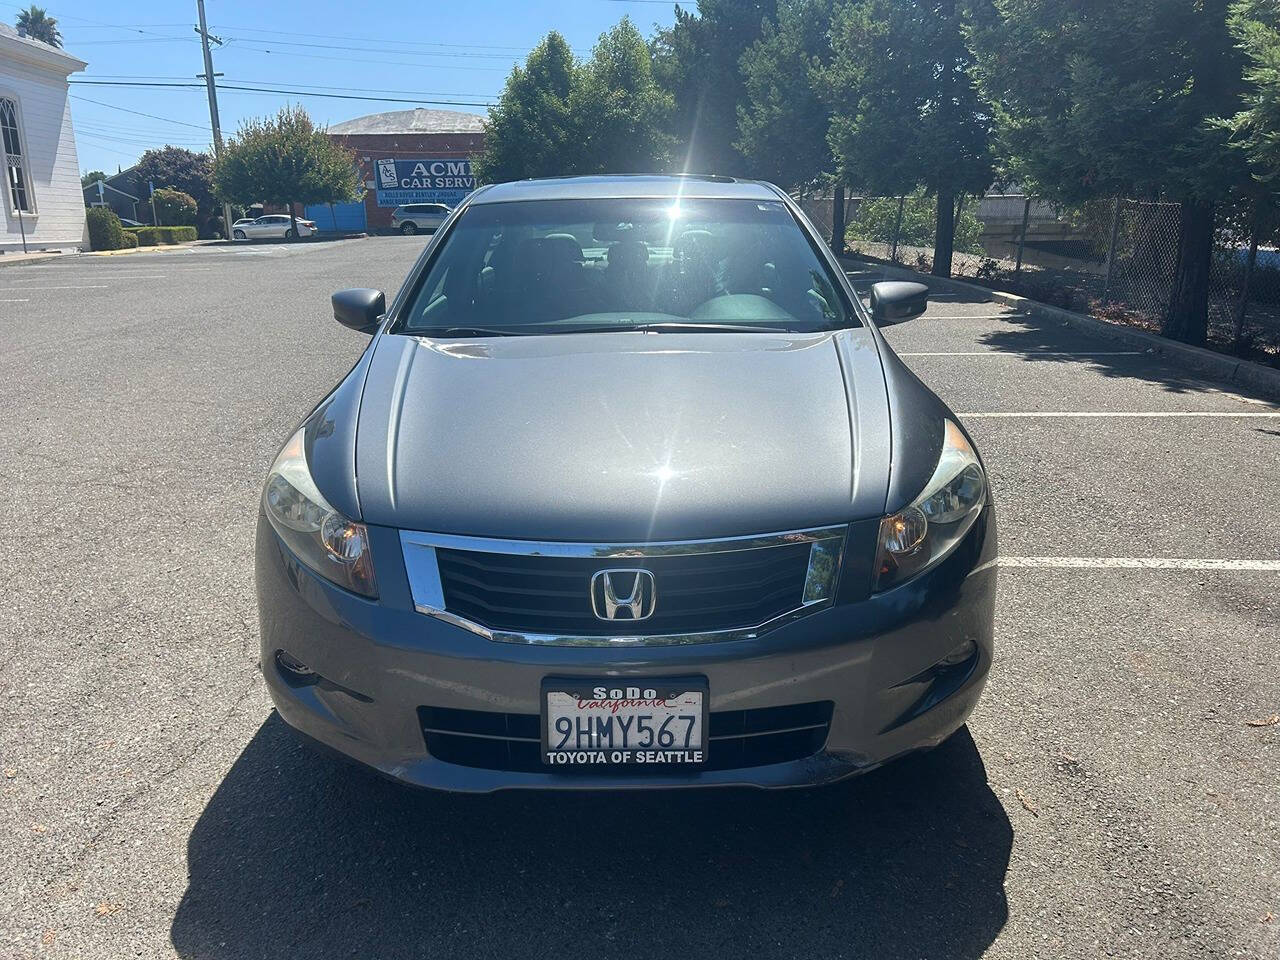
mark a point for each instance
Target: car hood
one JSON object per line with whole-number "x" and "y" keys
{"x": 618, "y": 437}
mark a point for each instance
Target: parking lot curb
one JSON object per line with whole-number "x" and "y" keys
{"x": 1220, "y": 366}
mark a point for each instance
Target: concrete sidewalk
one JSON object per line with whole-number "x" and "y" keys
{"x": 12, "y": 259}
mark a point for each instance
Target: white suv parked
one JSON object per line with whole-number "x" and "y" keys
{"x": 418, "y": 217}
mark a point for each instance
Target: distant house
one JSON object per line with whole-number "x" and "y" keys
{"x": 126, "y": 193}
{"x": 42, "y": 205}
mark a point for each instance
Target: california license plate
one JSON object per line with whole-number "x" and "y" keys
{"x": 635, "y": 723}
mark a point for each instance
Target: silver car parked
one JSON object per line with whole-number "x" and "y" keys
{"x": 272, "y": 225}
{"x": 627, "y": 490}
{"x": 412, "y": 218}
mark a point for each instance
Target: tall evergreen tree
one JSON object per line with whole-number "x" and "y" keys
{"x": 907, "y": 112}
{"x": 783, "y": 123}
{"x": 696, "y": 60}
{"x": 1100, "y": 99}
{"x": 528, "y": 130}
{"x": 557, "y": 116}
{"x": 1255, "y": 25}
{"x": 620, "y": 112}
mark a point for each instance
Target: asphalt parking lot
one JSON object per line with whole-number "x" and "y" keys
{"x": 1116, "y": 793}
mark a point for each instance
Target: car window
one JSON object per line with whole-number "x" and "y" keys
{"x": 555, "y": 265}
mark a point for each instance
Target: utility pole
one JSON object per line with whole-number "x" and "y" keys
{"x": 208, "y": 77}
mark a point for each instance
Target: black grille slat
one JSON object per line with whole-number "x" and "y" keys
{"x": 696, "y": 592}
{"x": 737, "y": 739}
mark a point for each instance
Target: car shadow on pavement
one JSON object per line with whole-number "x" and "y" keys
{"x": 301, "y": 855}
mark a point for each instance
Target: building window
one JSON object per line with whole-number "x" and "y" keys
{"x": 17, "y": 179}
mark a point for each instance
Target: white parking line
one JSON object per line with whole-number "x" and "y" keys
{"x": 1141, "y": 563}
{"x": 1022, "y": 354}
{"x": 975, "y": 316}
{"x": 83, "y": 286}
{"x": 1076, "y": 414}
{"x": 113, "y": 276}
{"x": 23, "y": 300}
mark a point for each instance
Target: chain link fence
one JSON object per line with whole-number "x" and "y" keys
{"x": 1113, "y": 258}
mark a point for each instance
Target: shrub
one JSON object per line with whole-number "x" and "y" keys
{"x": 161, "y": 236}
{"x": 105, "y": 232}
{"x": 175, "y": 208}
{"x": 876, "y": 216}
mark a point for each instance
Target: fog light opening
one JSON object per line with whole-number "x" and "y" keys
{"x": 294, "y": 670}
{"x": 962, "y": 654}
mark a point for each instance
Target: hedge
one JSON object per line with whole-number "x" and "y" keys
{"x": 159, "y": 236}
{"x": 105, "y": 232}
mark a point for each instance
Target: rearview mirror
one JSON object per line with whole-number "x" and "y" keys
{"x": 359, "y": 308}
{"x": 893, "y": 301}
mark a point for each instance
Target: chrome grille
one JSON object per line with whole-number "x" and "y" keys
{"x": 696, "y": 591}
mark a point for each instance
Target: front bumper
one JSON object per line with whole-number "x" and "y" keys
{"x": 902, "y": 671}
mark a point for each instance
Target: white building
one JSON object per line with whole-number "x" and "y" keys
{"x": 42, "y": 199}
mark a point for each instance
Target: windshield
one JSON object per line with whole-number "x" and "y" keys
{"x": 565, "y": 266}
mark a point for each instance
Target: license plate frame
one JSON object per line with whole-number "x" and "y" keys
{"x": 686, "y": 753}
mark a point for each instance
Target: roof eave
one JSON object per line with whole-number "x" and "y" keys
{"x": 39, "y": 54}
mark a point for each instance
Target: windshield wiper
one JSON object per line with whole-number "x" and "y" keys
{"x": 533, "y": 330}
{"x": 693, "y": 326}
{"x": 461, "y": 332}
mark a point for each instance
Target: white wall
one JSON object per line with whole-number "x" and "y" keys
{"x": 45, "y": 115}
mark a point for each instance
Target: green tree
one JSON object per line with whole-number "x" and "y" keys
{"x": 92, "y": 177}
{"x": 285, "y": 160}
{"x": 177, "y": 168}
{"x": 1255, "y": 26}
{"x": 36, "y": 23}
{"x": 907, "y": 113}
{"x": 531, "y": 123}
{"x": 1101, "y": 99}
{"x": 783, "y": 123}
{"x": 175, "y": 208}
{"x": 697, "y": 61}
{"x": 557, "y": 116}
{"x": 620, "y": 112}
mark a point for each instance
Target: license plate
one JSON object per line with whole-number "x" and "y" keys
{"x": 634, "y": 724}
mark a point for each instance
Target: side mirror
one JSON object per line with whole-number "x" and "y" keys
{"x": 894, "y": 301}
{"x": 359, "y": 308}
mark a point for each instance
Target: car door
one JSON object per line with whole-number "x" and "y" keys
{"x": 269, "y": 226}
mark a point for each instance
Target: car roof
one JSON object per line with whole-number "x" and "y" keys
{"x": 627, "y": 185}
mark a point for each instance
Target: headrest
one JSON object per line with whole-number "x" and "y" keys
{"x": 562, "y": 246}
{"x": 627, "y": 254}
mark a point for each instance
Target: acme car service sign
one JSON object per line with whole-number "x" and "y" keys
{"x": 423, "y": 181}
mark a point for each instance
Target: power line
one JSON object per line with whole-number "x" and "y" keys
{"x": 89, "y": 43}
{"x": 238, "y": 46}
{"x": 306, "y": 86}
{"x": 294, "y": 93}
{"x": 137, "y": 113}
{"x": 403, "y": 53}
{"x": 418, "y": 43}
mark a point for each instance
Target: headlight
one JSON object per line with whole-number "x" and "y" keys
{"x": 321, "y": 537}
{"x": 920, "y": 535}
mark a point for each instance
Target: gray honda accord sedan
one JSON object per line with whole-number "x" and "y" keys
{"x": 627, "y": 490}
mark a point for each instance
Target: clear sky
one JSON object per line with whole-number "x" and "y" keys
{"x": 429, "y": 50}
